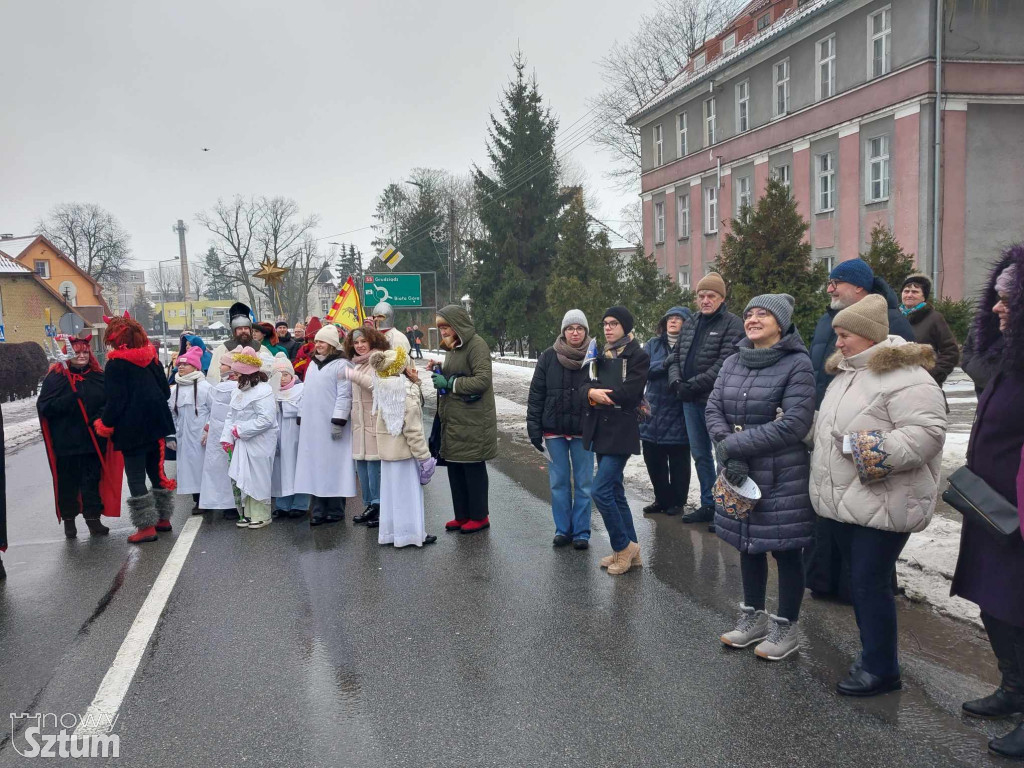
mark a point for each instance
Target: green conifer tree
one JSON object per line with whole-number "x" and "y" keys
{"x": 887, "y": 257}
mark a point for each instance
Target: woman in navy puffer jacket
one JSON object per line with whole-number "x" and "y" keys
{"x": 758, "y": 414}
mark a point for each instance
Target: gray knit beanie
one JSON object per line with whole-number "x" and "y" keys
{"x": 779, "y": 304}
{"x": 573, "y": 317}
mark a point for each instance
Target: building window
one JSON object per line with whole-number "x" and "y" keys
{"x": 878, "y": 169}
{"x": 880, "y": 43}
{"x": 682, "y": 215}
{"x": 325, "y": 305}
{"x": 826, "y": 183}
{"x": 830, "y": 263}
{"x": 659, "y": 222}
{"x": 764, "y": 21}
{"x": 698, "y": 61}
{"x": 681, "y": 122}
{"x": 684, "y": 279}
{"x": 742, "y": 106}
{"x": 826, "y": 54}
{"x": 711, "y": 210}
{"x": 781, "y": 105}
{"x": 659, "y": 146}
{"x": 729, "y": 43}
{"x": 709, "y": 122}
{"x": 742, "y": 194}
{"x": 782, "y": 173}
{"x": 42, "y": 268}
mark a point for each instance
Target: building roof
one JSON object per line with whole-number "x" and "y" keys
{"x": 92, "y": 315}
{"x": 688, "y": 78}
{"x": 9, "y": 266}
{"x": 16, "y": 246}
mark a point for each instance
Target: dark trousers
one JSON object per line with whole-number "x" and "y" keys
{"x": 1007, "y": 642}
{"x": 78, "y": 486}
{"x": 417, "y": 351}
{"x": 872, "y": 555}
{"x": 327, "y": 507}
{"x": 469, "y": 490}
{"x": 669, "y": 470}
{"x": 140, "y": 463}
{"x": 754, "y": 569}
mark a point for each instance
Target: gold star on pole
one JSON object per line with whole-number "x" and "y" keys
{"x": 271, "y": 273}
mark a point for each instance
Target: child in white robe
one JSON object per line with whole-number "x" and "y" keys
{"x": 287, "y": 503}
{"x": 217, "y": 491}
{"x": 190, "y": 408}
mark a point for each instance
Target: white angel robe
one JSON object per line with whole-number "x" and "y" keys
{"x": 216, "y": 490}
{"x": 325, "y": 467}
{"x": 253, "y": 414}
{"x": 288, "y": 403}
{"x": 190, "y": 407}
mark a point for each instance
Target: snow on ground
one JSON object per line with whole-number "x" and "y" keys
{"x": 929, "y": 559}
{"x": 21, "y": 424}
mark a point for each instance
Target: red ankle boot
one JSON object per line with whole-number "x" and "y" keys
{"x": 163, "y": 525}
{"x": 472, "y": 526}
{"x": 143, "y": 535}
{"x": 454, "y": 525}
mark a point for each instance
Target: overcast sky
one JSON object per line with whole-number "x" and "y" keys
{"x": 324, "y": 101}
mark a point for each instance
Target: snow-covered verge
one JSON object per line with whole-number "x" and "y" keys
{"x": 21, "y": 424}
{"x": 926, "y": 566}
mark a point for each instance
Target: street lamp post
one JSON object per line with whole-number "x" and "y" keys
{"x": 163, "y": 294}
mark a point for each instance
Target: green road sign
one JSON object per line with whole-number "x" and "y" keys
{"x": 401, "y": 289}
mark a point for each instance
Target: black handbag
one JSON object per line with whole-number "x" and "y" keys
{"x": 975, "y": 499}
{"x": 434, "y": 441}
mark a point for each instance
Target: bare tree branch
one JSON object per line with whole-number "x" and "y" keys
{"x": 91, "y": 237}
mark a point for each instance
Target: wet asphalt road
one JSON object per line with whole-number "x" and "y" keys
{"x": 292, "y": 646}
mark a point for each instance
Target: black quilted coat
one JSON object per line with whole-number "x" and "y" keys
{"x": 555, "y": 406}
{"x": 715, "y": 337}
{"x": 773, "y": 448}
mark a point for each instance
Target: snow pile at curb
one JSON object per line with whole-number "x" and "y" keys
{"x": 21, "y": 424}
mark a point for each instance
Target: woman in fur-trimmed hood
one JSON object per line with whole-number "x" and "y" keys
{"x": 990, "y": 569}
{"x": 875, "y": 471}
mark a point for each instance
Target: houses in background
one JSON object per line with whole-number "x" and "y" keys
{"x": 837, "y": 98}
{"x": 25, "y": 299}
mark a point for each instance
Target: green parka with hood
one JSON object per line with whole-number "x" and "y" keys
{"x": 469, "y": 421}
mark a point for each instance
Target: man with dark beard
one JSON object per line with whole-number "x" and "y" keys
{"x": 241, "y": 336}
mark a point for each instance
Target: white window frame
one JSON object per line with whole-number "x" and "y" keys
{"x": 784, "y": 173}
{"x": 682, "y": 215}
{"x": 710, "y": 210}
{"x": 659, "y": 145}
{"x": 45, "y": 264}
{"x": 681, "y": 134}
{"x": 728, "y": 42}
{"x": 683, "y": 279}
{"x": 744, "y": 193}
{"x": 710, "y": 122}
{"x": 699, "y": 61}
{"x": 825, "y": 69}
{"x": 783, "y": 84}
{"x": 885, "y": 38}
{"x": 877, "y": 172}
{"x": 659, "y": 222}
{"x": 742, "y": 106}
{"x": 825, "y": 188}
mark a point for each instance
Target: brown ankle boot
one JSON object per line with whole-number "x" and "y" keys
{"x": 626, "y": 559}
{"x": 606, "y": 561}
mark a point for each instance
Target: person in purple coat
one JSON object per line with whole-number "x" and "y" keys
{"x": 990, "y": 569}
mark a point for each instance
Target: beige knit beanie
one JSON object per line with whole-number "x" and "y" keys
{"x": 869, "y": 318}
{"x": 712, "y": 281}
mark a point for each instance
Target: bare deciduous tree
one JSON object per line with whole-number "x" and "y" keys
{"x": 637, "y": 70}
{"x": 166, "y": 281}
{"x": 234, "y": 226}
{"x": 91, "y": 237}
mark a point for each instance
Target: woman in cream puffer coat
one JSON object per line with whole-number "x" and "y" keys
{"x": 878, "y": 441}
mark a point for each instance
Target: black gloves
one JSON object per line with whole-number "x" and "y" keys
{"x": 721, "y": 455}
{"x": 682, "y": 390}
{"x": 736, "y": 471}
{"x": 538, "y": 443}
{"x": 298, "y": 420}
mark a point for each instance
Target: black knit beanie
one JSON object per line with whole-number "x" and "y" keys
{"x": 623, "y": 315}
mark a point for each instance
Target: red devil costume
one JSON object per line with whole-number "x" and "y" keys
{"x": 85, "y": 467}
{"x": 137, "y": 419}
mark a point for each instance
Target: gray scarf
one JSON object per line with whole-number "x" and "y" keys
{"x": 569, "y": 356}
{"x": 760, "y": 358}
{"x": 615, "y": 348}
{"x": 672, "y": 339}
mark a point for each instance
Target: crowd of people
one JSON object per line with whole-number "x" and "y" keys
{"x": 827, "y": 455}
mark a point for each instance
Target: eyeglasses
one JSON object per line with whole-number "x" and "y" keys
{"x": 611, "y": 323}
{"x": 757, "y": 314}
{"x": 575, "y": 329}
{"x": 833, "y": 284}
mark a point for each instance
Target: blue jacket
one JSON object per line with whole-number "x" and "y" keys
{"x": 824, "y": 342}
{"x": 666, "y": 426}
{"x": 195, "y": 341}
{"x": 772, "y": 447}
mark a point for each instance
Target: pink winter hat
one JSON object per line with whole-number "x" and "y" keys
{"x": 193, "y": 357}
{"x": 246, "y": 361}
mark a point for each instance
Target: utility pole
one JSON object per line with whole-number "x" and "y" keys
{"x": 452, "y": 248}
{"x": 181, "y": 229}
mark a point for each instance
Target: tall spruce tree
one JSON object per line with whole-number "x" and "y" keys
{"x": 346, "y": 263}
{"x": 647, "y": 293}
{"x": 764, "y": 252}
{"x": 887, "y": 258}
{"x": 519, "y": 201}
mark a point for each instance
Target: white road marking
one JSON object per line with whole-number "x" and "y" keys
{"x": 115, "y": 683}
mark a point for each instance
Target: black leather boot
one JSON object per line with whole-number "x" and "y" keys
{"x": 70, "y": 531}
{"x": 373, "y": 521}
{"x": 364, "y": 517}
{"x": 96, "y": 528}
{"x": 1011, "y": 745}
{"x": 863, "y": 683}
{"x": 1001, "y": 703}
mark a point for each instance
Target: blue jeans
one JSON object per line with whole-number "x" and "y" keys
{"x": 297, "y": 501}
{"x": 610, "y": 497}
{"x": 369, "y": 480}
{"x": 872, "y": 555}
{"x": 571, "y": 510}
{"x": 701, "y": 450}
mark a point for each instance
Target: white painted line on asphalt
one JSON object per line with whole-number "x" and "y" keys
{"x": 119, "y": 677}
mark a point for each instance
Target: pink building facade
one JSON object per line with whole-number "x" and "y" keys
{"x": 838, "y": 99}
